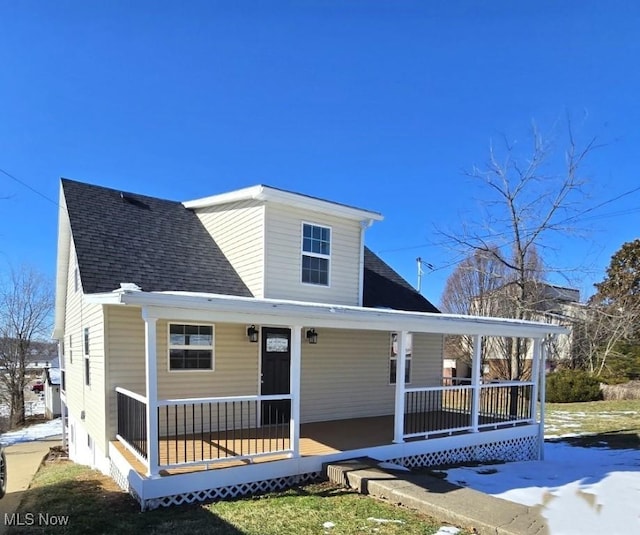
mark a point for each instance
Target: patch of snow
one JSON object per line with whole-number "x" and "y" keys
{"x": 328, "y": 525}
{"x": 33, "y": 432}
{"x": 581, "y": 490}
{"x": 447, "y": 530}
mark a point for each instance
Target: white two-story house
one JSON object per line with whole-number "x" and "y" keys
{"x": 235, "y": 343}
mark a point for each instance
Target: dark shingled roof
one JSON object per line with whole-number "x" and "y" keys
{"x": 162, "y": 246}
{"x": 158, "y": 245}
{"x": 384, "y": 288}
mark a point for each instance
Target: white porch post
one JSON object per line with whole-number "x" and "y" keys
{"x": 476, "y": 376}
{"x": 294, "y": 388}
{"x": 542, "y": 375}
{"x": 401, "y": 364}
{"x": 151, "y": 377}
{"x": 535, "y": 376}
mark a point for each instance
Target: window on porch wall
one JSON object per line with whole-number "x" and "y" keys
{"x": 393, "y": 359}
{"x": 191, "y": 347}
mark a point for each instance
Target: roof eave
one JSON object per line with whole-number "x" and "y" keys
{"x": 267, "y": 194}
{"x": 280, "y": 312}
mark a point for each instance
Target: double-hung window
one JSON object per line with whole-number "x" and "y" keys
{"x": 316, "y": 254}
{"x": 393, "y": 359}
{"x": 190, "y": 347}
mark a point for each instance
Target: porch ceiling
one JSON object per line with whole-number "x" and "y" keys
{"x": 232, "y": 309}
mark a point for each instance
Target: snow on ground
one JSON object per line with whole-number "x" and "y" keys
{"x": 33, "y": 432}
{"x": 581, "y": 490}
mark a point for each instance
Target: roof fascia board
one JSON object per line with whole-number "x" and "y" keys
{"x": 267, "y": 194}
{"x": 62, "y": 267}
{"x": 276, "y": 312}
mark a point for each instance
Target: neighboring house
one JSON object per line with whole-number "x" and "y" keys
{"x": 51, "y": 378}
{"x": 235, "y": 343}
{"x": 555, "y": 305}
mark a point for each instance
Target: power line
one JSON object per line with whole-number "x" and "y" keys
{"x": 575, "y": 217}
{"x": 23, "y": 183}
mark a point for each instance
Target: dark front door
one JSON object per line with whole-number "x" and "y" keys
{"x": 276, "y": 365}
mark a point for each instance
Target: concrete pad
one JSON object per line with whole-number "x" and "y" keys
{"x": 23, "y": 461}
{"x": 445, "y": 501}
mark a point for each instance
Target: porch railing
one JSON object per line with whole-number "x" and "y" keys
{"x": 132, "y": 421}
{"x": 505, "y": 403}
{"x": 211, "y": 430}
{"x": 450, "y": 409}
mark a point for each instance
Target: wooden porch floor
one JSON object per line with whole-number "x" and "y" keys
{"x": 318, "y": 438}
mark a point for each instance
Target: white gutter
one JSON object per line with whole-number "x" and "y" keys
{"x": 231, "y": 309}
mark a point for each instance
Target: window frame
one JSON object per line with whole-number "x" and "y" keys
{"x": 312, "y": 254}
{"x": 394, "y": 357}
{"x": 192, "y": 347}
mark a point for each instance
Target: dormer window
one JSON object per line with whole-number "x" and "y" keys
{"x": 316, "y": 254}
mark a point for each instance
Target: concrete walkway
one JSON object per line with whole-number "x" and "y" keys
{"x": 461, "y": 506}
{"x": 23, "y": 461}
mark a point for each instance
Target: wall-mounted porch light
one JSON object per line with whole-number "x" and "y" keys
{"x": 312, "y": 336}
{"x": 252, "y": 333}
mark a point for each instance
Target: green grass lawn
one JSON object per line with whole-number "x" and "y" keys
{"x": 614, "y": 423}
{"x": 96, "y": 505}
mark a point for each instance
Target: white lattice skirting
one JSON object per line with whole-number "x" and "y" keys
{"x": 515, "y": 449}
{"x": 122, "y": 482}
{"x": 508, "y": 449}
{"x": 232, "y": 491}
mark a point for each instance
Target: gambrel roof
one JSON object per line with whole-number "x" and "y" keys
{"x": 162, "y": 246}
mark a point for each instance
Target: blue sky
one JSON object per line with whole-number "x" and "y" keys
{"x": 377, "y": 104}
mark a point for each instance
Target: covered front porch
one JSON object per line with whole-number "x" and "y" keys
{"x": 210, "y": 433}
{"x": 264, "y": 437}
{"x": 186, "y": 453}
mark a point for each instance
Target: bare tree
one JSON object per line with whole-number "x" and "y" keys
{"x": 525, "y": 203}
{"x": 469, "y": 290}
{"x": 26, "y": 303}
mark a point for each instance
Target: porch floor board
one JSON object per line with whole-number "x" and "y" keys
{"x": 317, "y": 438}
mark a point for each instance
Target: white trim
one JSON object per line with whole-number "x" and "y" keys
{"x": 227, "y": 399}
{"x": 295, "y": 360}
{"x": 151, "y": 379}
{"x": 364, "y": 225}
{"x": 214, "y": 308}
{"x": 131, "y": 394}
{"x": 476, "y": 381}
{"x": 401, "y": 360}
{"x": 542, "y": 385}
{"x": 62, "y": 266}
{"x": 266, "y": 194}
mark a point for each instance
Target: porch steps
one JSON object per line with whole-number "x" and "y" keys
{"x": 460, "y": 506}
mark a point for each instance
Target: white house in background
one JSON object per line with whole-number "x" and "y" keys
{"x": 556, "y": 305}
{"x": 51, "y": 378}
{"x": 235, "y": 343}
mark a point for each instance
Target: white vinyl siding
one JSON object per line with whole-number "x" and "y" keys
{"x": 80, "y": 396}
{"x": 346, "y": 374}
{"x": 283, "y": 261}
{"x": 236, "y": 362}
{"x": 238, "y": 229}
